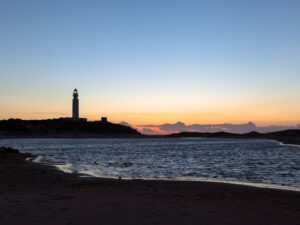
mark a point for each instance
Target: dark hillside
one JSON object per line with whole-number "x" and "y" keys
{"x": 286, "y": 137}
{"x": 62, "y": 127}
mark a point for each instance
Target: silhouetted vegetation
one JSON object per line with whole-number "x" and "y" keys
{"x": 62, "y": 127}
{"x": 287, "y": 136}
{"x": 68, "y": 128}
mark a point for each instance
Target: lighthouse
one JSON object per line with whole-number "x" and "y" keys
{"x": 75, "y": 107}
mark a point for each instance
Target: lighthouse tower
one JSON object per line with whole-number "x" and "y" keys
{"x": 75, "y": 108}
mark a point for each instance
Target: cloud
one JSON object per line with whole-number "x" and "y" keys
{"x": 168, "y": 128}
{"x": 125, "y": 124}
{"x": 226, "y": 127}
{"x": 173, "y": 127}
{"x": 147, "y": 131}
{"x": 234, "y": 128}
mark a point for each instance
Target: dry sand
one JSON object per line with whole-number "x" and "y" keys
{"x": 37, "y": 194}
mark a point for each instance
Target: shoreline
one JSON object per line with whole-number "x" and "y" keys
{"x": 179, "y": 179}
{"x": 28, "y": 158}
{"x": 287, "y": 144}
{"x": 34, "y": 193}
{"x": 276, "y": 186}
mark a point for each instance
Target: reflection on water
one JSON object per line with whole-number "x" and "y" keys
{"x": 261, "y": 161}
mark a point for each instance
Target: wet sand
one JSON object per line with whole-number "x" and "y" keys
{"x": 31, "y": 194}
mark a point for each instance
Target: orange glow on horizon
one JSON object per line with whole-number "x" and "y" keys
{"x": 161, "y": 118}
{"x": 262, "y": 114}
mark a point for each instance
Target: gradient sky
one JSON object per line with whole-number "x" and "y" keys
{"x": 151, "y": 62}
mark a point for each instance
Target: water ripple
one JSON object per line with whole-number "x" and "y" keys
{"x": 261, "y": 161}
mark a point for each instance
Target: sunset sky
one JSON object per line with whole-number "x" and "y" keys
{"x": 152, "y": 62}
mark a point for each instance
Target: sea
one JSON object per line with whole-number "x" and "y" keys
{"x": 243, "y": 161}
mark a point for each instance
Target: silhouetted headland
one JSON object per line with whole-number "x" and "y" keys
{"x": 286, "y": 137}
{"x": 63, "y": 128}
{"x": 68, "y": 128}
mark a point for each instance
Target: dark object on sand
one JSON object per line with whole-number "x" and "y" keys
{"x": 5, "y": 150}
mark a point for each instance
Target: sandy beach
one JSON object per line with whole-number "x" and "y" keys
{"x": 32, "y": 193}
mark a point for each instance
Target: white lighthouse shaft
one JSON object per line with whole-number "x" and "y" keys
{"x": 75, "y": 108}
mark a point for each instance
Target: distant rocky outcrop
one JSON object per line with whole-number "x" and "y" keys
{"x": 62, "y": 128}
{"x": 286, "y": 137}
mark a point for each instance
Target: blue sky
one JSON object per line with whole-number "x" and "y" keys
{"x": 152, "y": 61}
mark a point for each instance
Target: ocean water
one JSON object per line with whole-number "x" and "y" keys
{"x": 232, "y": 160}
